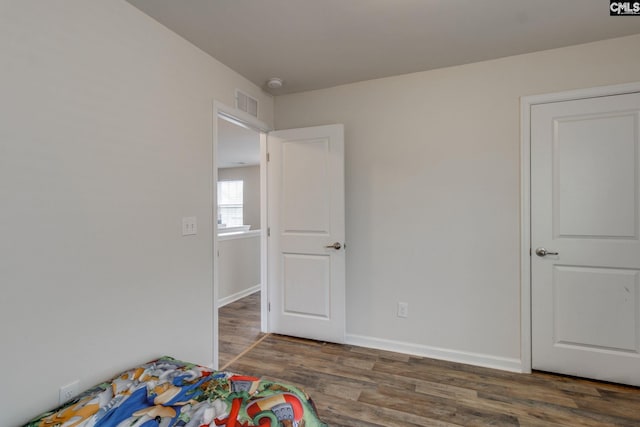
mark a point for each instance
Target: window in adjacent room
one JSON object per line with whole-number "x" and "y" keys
{"x": 230, "y": 199}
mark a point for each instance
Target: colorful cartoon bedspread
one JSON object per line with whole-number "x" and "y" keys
{"x": 168, "y": 392}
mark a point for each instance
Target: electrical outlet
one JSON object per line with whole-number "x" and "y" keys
{"x": 69, "y": 391}
{"x": 403, "y": 309}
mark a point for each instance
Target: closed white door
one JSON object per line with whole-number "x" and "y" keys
{"x": 585, "y": 210}
{"x": 306, "y": 243}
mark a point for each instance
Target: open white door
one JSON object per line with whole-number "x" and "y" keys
{"x": 585, "y": 236}
{"x": 307, "y": 232}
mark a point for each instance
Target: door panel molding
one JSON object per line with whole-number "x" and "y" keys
{"x": 526, "y": 103}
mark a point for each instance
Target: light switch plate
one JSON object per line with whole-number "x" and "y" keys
{"x": 189, "y": 225}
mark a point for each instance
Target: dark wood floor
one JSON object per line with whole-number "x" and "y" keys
{"x": 355, "y": 386}
{"x": 239, "y": 327}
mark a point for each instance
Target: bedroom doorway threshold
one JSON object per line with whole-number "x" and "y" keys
{"x": 239, "y": 328}
{"x": 245, "y": 351}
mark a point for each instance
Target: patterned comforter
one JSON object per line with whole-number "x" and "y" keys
{"x": 171, "y": 393}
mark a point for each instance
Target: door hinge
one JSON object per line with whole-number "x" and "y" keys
{"x": 268, "y": 157}
{"x": 268, "y": 231}
{"x": 529, "y": 251}
{"x": 269, "y": 306}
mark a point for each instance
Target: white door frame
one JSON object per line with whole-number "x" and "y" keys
{"x": 246, "y": 120}
{"x": 526, "y": 103}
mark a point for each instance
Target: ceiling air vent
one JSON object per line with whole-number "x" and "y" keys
{"x": 246, "y": 103}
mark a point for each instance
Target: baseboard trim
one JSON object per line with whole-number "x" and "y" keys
{"x": 238, "y": 295}
{"x": 484, "y": 360}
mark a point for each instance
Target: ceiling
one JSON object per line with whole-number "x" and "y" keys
{"x": 314, "y": 44}
{"x": 237, "y": 146}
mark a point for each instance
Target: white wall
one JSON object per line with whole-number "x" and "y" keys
{"x": 432, "y": 184}
{"x": 250, "y": 175}
{"x": 106, "y": 124}
{"x": 238, "y": 266}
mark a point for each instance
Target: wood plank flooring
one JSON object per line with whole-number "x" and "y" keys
{"x": 355, "y": 386}
{"x": 239, "y": 327}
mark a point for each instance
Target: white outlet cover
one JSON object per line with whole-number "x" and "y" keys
{"x": 69, "y": 391}
{"x": 403, "y": 309}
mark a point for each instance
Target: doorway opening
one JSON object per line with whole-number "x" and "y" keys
{"x": 239, "y": 227}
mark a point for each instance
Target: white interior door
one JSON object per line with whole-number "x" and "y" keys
{"x": 585, "y": 205}
{"x": 307, "y": 232}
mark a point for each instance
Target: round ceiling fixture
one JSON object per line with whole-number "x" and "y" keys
{"x": 274, "y": 83}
